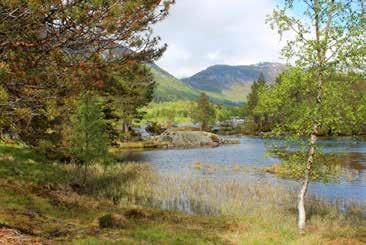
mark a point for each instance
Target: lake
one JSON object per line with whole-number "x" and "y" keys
{"x": 251, "y": 155}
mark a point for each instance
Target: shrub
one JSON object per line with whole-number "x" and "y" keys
{"x": 89, "y": 141}
{"x": 112, "y": 221}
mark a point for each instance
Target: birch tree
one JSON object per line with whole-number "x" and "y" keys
{"x": 330, "y": 36}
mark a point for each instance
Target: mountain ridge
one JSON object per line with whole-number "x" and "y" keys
{"x": 224, "y": 84}
{"x": 216, "y": 78}
{"x": 169, "y": 88}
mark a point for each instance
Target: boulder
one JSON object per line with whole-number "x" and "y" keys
{"x": 184, "y": 139}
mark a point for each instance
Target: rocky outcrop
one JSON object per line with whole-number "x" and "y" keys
{"x": 187, "y": 139}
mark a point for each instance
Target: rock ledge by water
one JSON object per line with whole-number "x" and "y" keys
{"x": 185, "y": 139}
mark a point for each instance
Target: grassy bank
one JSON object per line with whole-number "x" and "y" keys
{"x": 42, "y": 202}
{"x": 36, "y": 200}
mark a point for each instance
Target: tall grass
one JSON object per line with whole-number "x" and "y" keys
{"x": 205, "y": 196}
{"x": 137, "y": 184}
{"x": 119, "y": 183}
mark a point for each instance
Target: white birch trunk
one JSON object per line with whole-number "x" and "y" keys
{"x": 304, "y": 189}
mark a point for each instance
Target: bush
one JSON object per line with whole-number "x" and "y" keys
{"x": 112, "y": 221}
{"x": 154, "y": 128}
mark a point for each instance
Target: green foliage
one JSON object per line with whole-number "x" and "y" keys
{"x": 290, "y": 107}
{"x": 89, "y": 141}
{"x": 3, "y": 104}
{"x": 317, "y": 96}
{"x": 204, "y": 112}
{"x": 326, "y": 31}
{"x": 155, "y": 128}
{"x": 128, "y": 90}
{"x": 252, "y": 101}
{"x": 227, "y": 112}
{"x": 175, "y": 112}
{"x": 3, "y": 97}
{"x": 50, "y": 67}
{"x": 168, "y": 112}
{"x": 256, "y": 121}
{"x": 292, "y": 166}
{"x": 327, "y": 35}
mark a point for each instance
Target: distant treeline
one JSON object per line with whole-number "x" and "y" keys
{"x": 285, "y": 106}
{"x": 184, "y": 111}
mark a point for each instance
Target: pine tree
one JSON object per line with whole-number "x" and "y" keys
{"x": 252, "y": 103}
{"x": 49, "y": 47}
{"x": 204, "y": 112}
{"x": 89, "y": 138}
{"x": 130, "y": 89}
{"x": 253, "y": 96}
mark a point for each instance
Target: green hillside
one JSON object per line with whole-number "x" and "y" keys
{"x": 170, "y": 88}
{"x": 232, "y": 83}
{"x": 236, "y": 94}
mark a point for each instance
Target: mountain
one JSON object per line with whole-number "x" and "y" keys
{"x": 232, "y": 82}
{"x": 169, "y": 88}
{"x": 224, "y": 84}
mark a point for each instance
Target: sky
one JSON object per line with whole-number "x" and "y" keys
{"x": 201, "y": 33}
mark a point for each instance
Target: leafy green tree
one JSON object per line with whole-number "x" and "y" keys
{"x": 89, "y": 140}
{"x": 223, "y": 112}
{"x": 204, "y": 113}
{"x": 289, "y": 104}
{"x": 330, "y": 36}
{"x": 164, "y": 113}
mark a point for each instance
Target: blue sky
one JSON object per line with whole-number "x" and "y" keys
{"x": 208, "y": 32}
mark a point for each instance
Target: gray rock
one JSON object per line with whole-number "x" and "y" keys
{"x": 185, "y": 139}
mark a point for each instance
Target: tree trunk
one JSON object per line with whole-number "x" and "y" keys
{"x": 85, "y": 173}
{"x": 86, "y": 139}
{"x": 304, "y": 189}
{"x": 320, "y": 58}
{"x": 125, "y": 127}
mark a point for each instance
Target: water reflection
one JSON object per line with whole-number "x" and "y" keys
{"x": 354, "y": 161}
{"x": 252, "y": 154}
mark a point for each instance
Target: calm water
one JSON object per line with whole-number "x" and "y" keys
{"x": 251, "y": 155}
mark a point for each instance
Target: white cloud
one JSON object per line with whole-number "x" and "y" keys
{"x": 201, "y": 33}
{"x": 216, "y": 55}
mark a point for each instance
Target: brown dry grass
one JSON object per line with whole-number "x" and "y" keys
{"x": 14, "y": 237}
